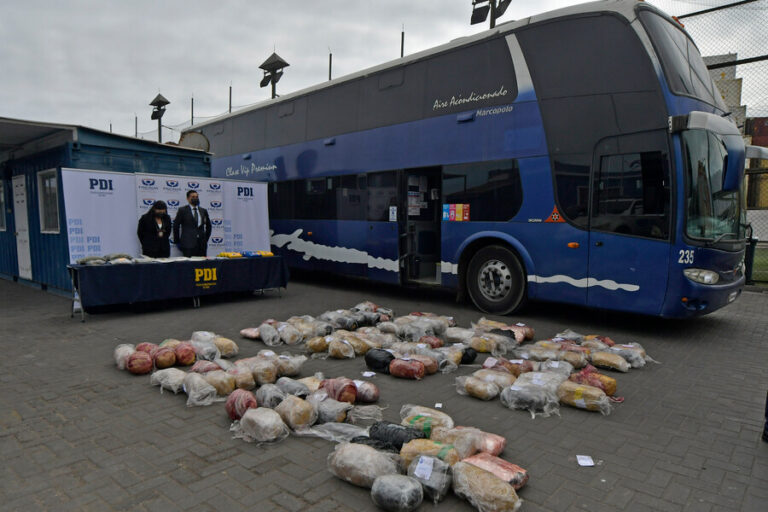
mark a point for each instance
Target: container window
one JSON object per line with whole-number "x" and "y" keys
{"x": 48, "y": 198}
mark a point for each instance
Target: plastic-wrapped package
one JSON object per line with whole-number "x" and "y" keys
{"x": 434, "y": 476}
{"x": 251, "y": 333}
{"x": 238, "y": 402}
{"x": 269, "y": 335}
{"x": 430, "y": 363}
{"x": 202, "y": 336}
{"x": 269, "y": 396}
{"x": 501, "y": 377}
{"x": 424, "y": 418}
{"x": 584, "y": 397}
{"x": 520, "y": 331}
{"x": 122, "y": 353}
{"x": 335, "y": 432}
{"x": 205, "y": 349}
{"x": 185, "y": 354}
{"x": 243, "y": 377}
{"x": 563, "y": 367}
{"x": 377, "y": 339}
{"x": 575, "y": 359}
{"x": 397, "y": 493}
{"x": 203, "y": 366}
{"x": 318, "y": 344}
{"x": 365, "y": 415}
{"x": 477, "y": 388}
{"x": 412, "y": 449}
{"x": 165, "y": 357}
{"x": 591, "y": 377}
{"x": 483, "y": 344}
{"x": 341, "y": 349}
{"x": 432, "y": 341}
{"x": 328, "y": 409}
{"x": 394, "y": 434}
{"x": 367, "y": 392}
{"x": 221, "y": 380}
{"x": 465, "y": 441}
{"x": 510, "y": 473}
{"x": 341, "y": 389}
{"x": 594, "y": 344}
{"x": 340, "y": 319}
{"x": 290, "y": 386}
{"x": 515, "y": 366}
{"x": 288, "y": 333}
{"x": 632, "y": 352}
{"x": 313, "y": 382}
{"x": 390, "y": 328}
{"x": 171, "y": 379}
{"x": 359, "y": 345}
{"x": 264, "y": 371}
{"x": 139, "y": 363}
{"x": 290, "y": 366}
{"x": 260, "y": 425}
{"x": 534, "y": 353}
{"x": 569, "y": 334}
{"x": 610, "y": 361}
{"x": 491, "y": 443}
{"x": 407, "y": 369}
{"x": 359, "y": 464}
{"x": 535, "y": 392}
{"x": 458, "y": 335}
{"x": 296, "y": 413}
{"x": 378, "y": 360}
{"x": 468, "y": 355}
{"x": 149, "y": 348}
{"x": 268, "y": 354}
{"x": 169, "y": 343}
{"x": 484, "y": 490}
{"x": 605, "y": 340}
{"x": 375, "y": 443}
{"x": 372, "y": 307}
{"x": 227, "y": 347}
{"x": 453, "y": 353}
{"x": 224, "y": 364}
{"x": 198, "y": 391}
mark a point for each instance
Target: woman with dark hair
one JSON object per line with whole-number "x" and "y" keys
{"x": 154, "y": 231}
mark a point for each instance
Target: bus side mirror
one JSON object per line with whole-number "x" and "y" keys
{"x": 734, "y": 165}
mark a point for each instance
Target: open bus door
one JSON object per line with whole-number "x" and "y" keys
{"x": 420, "y": 220}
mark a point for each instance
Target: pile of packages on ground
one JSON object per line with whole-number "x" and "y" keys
{"x": 425, "y": 455}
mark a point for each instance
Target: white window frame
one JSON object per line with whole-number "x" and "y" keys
{"x": 41, "y": 175}
{"x": 3, "y": 216}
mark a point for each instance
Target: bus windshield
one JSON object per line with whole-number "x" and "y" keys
{"x": 712, "y": 213}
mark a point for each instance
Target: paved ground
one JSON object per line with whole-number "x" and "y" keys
{"x": 77, "y": 434}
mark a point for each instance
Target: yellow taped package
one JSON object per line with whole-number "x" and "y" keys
{"x": 417, "y": 447}
{"x": 584, "y": 397}
{"x": 482, "y": 344}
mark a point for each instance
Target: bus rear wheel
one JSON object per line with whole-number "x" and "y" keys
{"x": 496, "y": 280}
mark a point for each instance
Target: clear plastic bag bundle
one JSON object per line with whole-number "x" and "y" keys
{"x": 221, "y": 380}
{"x": 535, "y": 392}
{"x": 341, "y": 349}
{"x": 269, "y": 335}
{"x": 430, "y": 363}
{"x": 633, "y": 353}
{"x": 224, "y": 364}
{"x": 434, "y": 476}
{"x": 389, "y": 328}
{"x": 239, "y": 402}
{"x": 328, "y": 409}
{"x": 477, "y": 388}
{"x": 298, "y": 414}
{"x": 288, "y": 333}
{"x": 269, "y": 396}
{"x": 520, "y": 330}
{"x": 226, "y": 346}
{"x": 341, "y": 389}
{"x": 393, "y": 434}
{"x": 513, "y": 366}
{"x": 585, "y": 397}
{"x": 365, "y": 415}
{"x": 170, "y": 343}
{"x": 264, "y": 371}
{"x": 375, "y": 443}
{"x": 484, "y": 490}
{"x": 290, "y": 366}
{"x": 198, "y": 391}
{"x": 510, "y": 473}
{"x": 251, "y": 333}
{"x": 202, "y": 337}
{"x": 340, "y": 319}
{"x": 319, "y": 344}
{"x": 572, "y": 335}
{"x": 407, "y": 368}
{"x": 204, "y": 366}
{"x": 290, "y": 386}
{"x": 122, "y": 353}
{"x": 260, "y": 425}
{"x": 424, "y": 418}
{"x": 610, "y": 361}
{"x": 458, "y": 335}
{"x": 205, "y": 348}
{"x": 171, "y": 379}
{"x": 562, "y": 367}
{"x": 466, "y": 442}
{"x": 335, "y": 432}
{"x": 243, "y": 377}
{"x": 360, "y": 465}
{"x": 491, "y": 443}
{"x": 313, "y": 382}
{"x": 591, "y": 377}
{"x": 367, "y": 392}
{"x": 501, "y": 377}
{"x": 397, "y": 493}
{"x": 413, "y": 449}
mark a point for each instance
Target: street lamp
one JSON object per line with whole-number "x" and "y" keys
{"x": 481, "y": 8}
{"x": 157, "y": 113}
{"x": 273, "y": 71}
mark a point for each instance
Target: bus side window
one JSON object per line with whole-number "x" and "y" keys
{"x": 382, "y": 193}
{"x": 631, "y": 195}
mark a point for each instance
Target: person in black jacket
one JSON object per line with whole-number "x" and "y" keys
{"x": 155, "y": 231}
{"x": 192, "y": 227}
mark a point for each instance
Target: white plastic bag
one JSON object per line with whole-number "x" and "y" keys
{"x": 122, "y": 353}
{"x": 260, "y": 425}
{"x": 171, "y": 379}
{"x": 198, "y": 391}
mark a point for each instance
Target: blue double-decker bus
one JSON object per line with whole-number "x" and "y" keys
{"x": 581, "y": 156}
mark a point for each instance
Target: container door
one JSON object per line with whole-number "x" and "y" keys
{"x": 420, "y": 223}
{"x": 630, "y": 226}
{"x": 22, "y": 227}
{"x": 383, "y": 244}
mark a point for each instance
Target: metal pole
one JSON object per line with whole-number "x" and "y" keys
{"x": 330, "y": 64}
{"x": 110, "y": 127}
{"x": 192, "y": 114}
{"x": 274, "y": 88}
{"x": 402, "y": 42}
{"x": 135, "y": 126}
{"x": 230, "y": 99}
{"x": 159, "y": 131}
{"x": 493, "y": 13}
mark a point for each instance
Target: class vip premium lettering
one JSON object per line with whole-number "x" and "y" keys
{"x": 473, "y": 97}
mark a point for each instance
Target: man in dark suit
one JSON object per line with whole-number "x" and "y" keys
{"x": 195, "y": 226}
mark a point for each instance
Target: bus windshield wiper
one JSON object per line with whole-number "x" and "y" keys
{"x": 719, "y": 239}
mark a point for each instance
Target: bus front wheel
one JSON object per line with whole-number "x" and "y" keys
{"x": 496, "y": 280}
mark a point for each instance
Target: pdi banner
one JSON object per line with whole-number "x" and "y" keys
{"x": 246, "y": 220}
{"x": 100, "y": 208}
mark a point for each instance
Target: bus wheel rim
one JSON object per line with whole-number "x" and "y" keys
{"x": 494, "y": 280}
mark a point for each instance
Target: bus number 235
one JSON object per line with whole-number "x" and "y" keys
{"x": 686, "y": 257}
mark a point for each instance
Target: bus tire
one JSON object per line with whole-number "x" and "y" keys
{"x": 495, "y": 280}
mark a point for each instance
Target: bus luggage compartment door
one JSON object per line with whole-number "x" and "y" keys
{"x": 383, "y": 245}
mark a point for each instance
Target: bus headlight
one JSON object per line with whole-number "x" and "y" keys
{"x": 701, "y": 276}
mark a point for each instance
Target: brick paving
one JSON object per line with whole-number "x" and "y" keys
{"x": 77, "y": 434}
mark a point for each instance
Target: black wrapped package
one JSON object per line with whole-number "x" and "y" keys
{"x": 397, "y": 493}
{"x": 394, "y": 434}
{"x": 378, "y": 360}
{"x": 375, "y": 443}
{"x": 468, "y": 356}
{"x": 434, "y": 475}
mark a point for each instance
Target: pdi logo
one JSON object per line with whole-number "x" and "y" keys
{"x": 147, "y": 202}
{"x": 172, "y": 183}
{"x": 205, "y": 277}
{"x": 147, "y": 182}
{"x": 193, "y": 185}
{"x": 217, "y": 222}
{"x": 173, "y": 203}
{"x": 100, "y": 184}
{"x": 217, "y": 240}
{"x": 215, "y": 205}
{"x": 244, "y": 191}
{"x": 214, "y": 186}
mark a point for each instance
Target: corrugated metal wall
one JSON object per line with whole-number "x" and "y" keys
{"x": 8, "y": 263}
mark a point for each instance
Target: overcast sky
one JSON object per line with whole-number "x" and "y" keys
{"x": 92, "y": 62}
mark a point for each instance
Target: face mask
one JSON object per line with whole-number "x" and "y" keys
{"x": 195, "y": 201}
